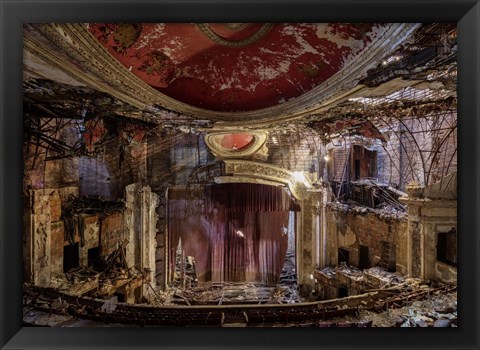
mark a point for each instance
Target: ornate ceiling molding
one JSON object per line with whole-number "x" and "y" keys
{"x": 92, "y": 64}
{"x": 246, "y": 179}
{"x": 235, "y": 26}
{"x": 248, "y": 169}
{"x": 259, "y": 139}
{"x": 205, "y": 29}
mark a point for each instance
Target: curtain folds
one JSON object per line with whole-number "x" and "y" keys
{"x": 235, "y": 232}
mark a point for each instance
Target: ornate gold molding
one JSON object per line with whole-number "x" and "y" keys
{"x": 88, "y": 63}
{"x": 205, "y": 29}
{"x": 248, "y": 169}
{"x": 85, "y": 59}
{"x": 246, "y": 179}
{"x": 235, "y": 26}
{"x": 259, "y": 140}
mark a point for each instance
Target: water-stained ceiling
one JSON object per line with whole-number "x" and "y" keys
{"x": 242, "y": 74}
{"x": 234, "y": 67}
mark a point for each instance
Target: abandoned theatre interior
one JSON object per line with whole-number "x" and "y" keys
{"x": 240, "y": 174}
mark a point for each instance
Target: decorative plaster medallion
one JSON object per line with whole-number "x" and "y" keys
{"x": 235, "y": 144}
{"x": 207, "y": 30}
{"x": 235, "y": 26}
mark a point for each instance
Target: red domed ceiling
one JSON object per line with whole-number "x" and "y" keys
{"x": 234, "y": 66}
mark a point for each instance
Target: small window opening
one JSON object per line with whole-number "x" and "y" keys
{"x": 70, "y": 257}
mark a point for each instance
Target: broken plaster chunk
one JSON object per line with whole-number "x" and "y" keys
{"x": 421, "y": 323}
{"x": 442, "y": 323}
{"x": 445, "y": 310}
{"x": 110, "y": 305}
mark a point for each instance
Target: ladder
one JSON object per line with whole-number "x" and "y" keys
{"x": 385, "y": 255}
{"x": 387, "y": 248}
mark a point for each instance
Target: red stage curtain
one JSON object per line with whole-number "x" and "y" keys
{"x": 234, "y": 232}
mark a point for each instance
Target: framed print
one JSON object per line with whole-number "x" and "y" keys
{"x": 239, "y": 175}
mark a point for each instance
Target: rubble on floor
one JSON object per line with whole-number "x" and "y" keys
{"x": 389, "y": 299}
{"x": 362, "y": 280}
{"x": 423, "y": 307}
{"x": 229, "y": 294}
{"x": 436, "y": 310}
{"x": 288, "y": 274}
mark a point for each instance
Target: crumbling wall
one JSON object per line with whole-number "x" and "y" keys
{"x": 171, "y": 158}
{"x": 140, "y": 222}
{"x": 432, "y": 211}
{"x": 43, "y": 233}
{"x": 348, "y": 228}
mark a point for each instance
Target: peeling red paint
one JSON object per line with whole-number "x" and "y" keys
{"x": 183, "y": 63}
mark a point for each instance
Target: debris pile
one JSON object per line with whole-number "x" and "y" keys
{"x": 370, "y": 193}
{"x": 114, "y": 274}
{"x": 438, "y": 309}
{"x": 185, "y": 275}
{"x": 288, "y": 274}
{"x": 383, "y": 210}
{"x": 389, "y": 299}
{"x": 378, "y": 277}
{"x": 231, "y": 294}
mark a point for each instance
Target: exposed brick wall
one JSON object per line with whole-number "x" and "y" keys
{"x": 112, "y": 233}
{"x": 349, "y": 229}
{"x": 56, "y": 247}
{"x": 421, "y": 149}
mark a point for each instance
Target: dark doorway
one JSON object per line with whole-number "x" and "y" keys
{"x": 447, "y": 247}
{"x": 364, "y": 257}
{"x": 343, "y": 256}
{"x": 94, "y": 260}
{"x": 342, "y": 292}
{"x": 120, "y": 297}
{"x": 70, "y": 257}
{"x": 357, "y": 169}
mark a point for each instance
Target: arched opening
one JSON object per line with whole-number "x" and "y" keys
{"x": 236, "y": 232}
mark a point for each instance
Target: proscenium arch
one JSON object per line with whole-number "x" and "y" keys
{"x": 255, "y": 172}
{"x": 308, "y": 244}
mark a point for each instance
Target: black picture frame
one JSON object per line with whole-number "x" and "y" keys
{"x": 14, "y": 13}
